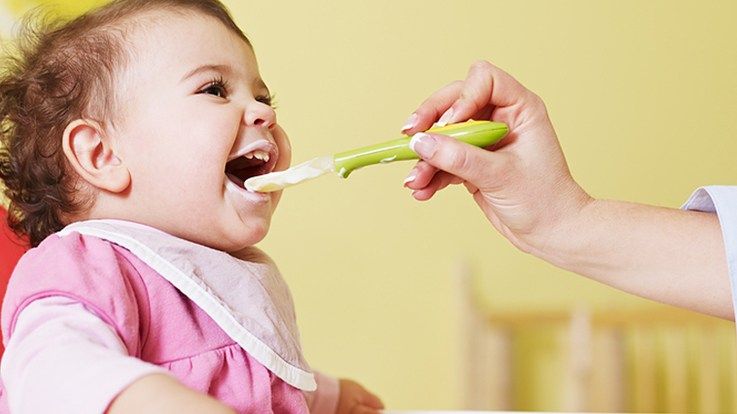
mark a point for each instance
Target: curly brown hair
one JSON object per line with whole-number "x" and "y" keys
{"x": 61, "y": 71}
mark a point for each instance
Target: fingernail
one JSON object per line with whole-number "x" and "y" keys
{"x": 411, "y": 177}
{"x": 423, "y": 144}
{"x": 446, "y": 117}
{"x": 410, "y": 122}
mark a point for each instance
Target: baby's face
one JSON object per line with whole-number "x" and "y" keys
{"x": 195, "y": 122}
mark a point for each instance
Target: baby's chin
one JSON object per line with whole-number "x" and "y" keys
{"x": 239, "y": 237}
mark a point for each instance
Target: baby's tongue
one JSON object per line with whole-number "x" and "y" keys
{"x": 242, "y": 168}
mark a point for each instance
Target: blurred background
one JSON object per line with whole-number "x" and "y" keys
{"x": 401, "y": 295}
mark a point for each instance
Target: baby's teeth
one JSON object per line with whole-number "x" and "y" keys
{"x": 258, "y": 154}
{"x": 262, "y": 155}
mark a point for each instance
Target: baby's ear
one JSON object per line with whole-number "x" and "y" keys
{"x": 93, "y": 157}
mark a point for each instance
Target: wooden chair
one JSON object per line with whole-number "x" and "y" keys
{"x": 659, "y": 359}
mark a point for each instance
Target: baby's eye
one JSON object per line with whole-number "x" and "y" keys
{"x": 216, "y": 87}
{"x": 215, "y": 90}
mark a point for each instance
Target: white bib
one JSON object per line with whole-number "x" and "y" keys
{"x": 249, "y": 300}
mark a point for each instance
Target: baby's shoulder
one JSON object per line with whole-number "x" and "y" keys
{"x": 84, "y": 268}
{"x": 73, "y": 260}
{"x": 72, "y": 252}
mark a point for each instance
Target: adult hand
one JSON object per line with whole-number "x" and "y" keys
{"x": 524, "y": 187}
{"x": 522, "y": 184}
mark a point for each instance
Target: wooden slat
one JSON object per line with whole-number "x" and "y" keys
{"x": 644, "y": 371}
{"x": 658, "y": 316}
{"x": 608, "y": 376}
{"x": 675, "y": 357}
{"x": 579, "y": 362}
{"x": 498, "y": 369}
{"x": 602, "y": 373}
{"x": 708, "y": 378}
{"x": 486, "y": 352}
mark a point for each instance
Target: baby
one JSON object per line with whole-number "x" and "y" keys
{"x": 127, "y": 135}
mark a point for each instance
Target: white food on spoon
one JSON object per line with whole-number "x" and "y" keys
{"x": 282, "y": 179}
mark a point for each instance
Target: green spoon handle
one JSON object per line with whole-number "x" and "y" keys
{"x": 478, "y": 133}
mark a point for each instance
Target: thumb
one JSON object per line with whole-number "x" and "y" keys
{"x": 472, "y": 164}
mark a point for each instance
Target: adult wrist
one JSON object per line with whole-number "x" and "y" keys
{"x": 564, "y": 238}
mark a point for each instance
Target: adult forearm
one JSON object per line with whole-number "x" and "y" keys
{"x": 525, "y": 189}
{"x": 664, "y": 254}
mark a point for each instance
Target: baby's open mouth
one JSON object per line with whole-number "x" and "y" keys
{"x": 255, "y": 162}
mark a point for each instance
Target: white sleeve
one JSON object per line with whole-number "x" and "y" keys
{"x": 722, "y": 200}
{"x": 63, "y": 358}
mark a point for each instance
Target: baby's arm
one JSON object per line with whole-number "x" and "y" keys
{"x": 341, "y": 396}
{"x": 62, "y": 351}
{"x": 161, "y": 393}
{"x": 324, "y": 400}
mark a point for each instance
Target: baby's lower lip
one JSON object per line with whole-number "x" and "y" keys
{"x": 248, "y": 195}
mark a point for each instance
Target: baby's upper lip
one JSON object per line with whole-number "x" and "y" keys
{"x": 242, "y": 166}
{"x": 260, "y": 145}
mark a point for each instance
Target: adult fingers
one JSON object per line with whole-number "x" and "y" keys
{"x": 485, "y": 86}
{"x": 472, "y": 189}
{"x": 473, "y": 164}
{"x": 420, "y": 176}
{"x": 441, "y": 180}
{"x": 431, "y": 109}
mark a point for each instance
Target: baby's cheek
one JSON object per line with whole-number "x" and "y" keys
{"x": 275, "y": 197}
{"x": 285, "y": 148}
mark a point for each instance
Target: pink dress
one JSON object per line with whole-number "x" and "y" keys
{"x": 159, "y": 324}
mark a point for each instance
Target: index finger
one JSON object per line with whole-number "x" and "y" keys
{"x": 431, "y": 109}
{"x": 486, "y": 86}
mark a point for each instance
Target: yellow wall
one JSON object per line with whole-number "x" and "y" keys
{"x": 66, "y": 7}
{"x": 643, "y": 96}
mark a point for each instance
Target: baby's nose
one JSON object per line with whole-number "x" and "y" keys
{"x": 260, "y": 114}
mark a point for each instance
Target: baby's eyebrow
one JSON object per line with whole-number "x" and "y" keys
{"x": 225, "y": 69}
